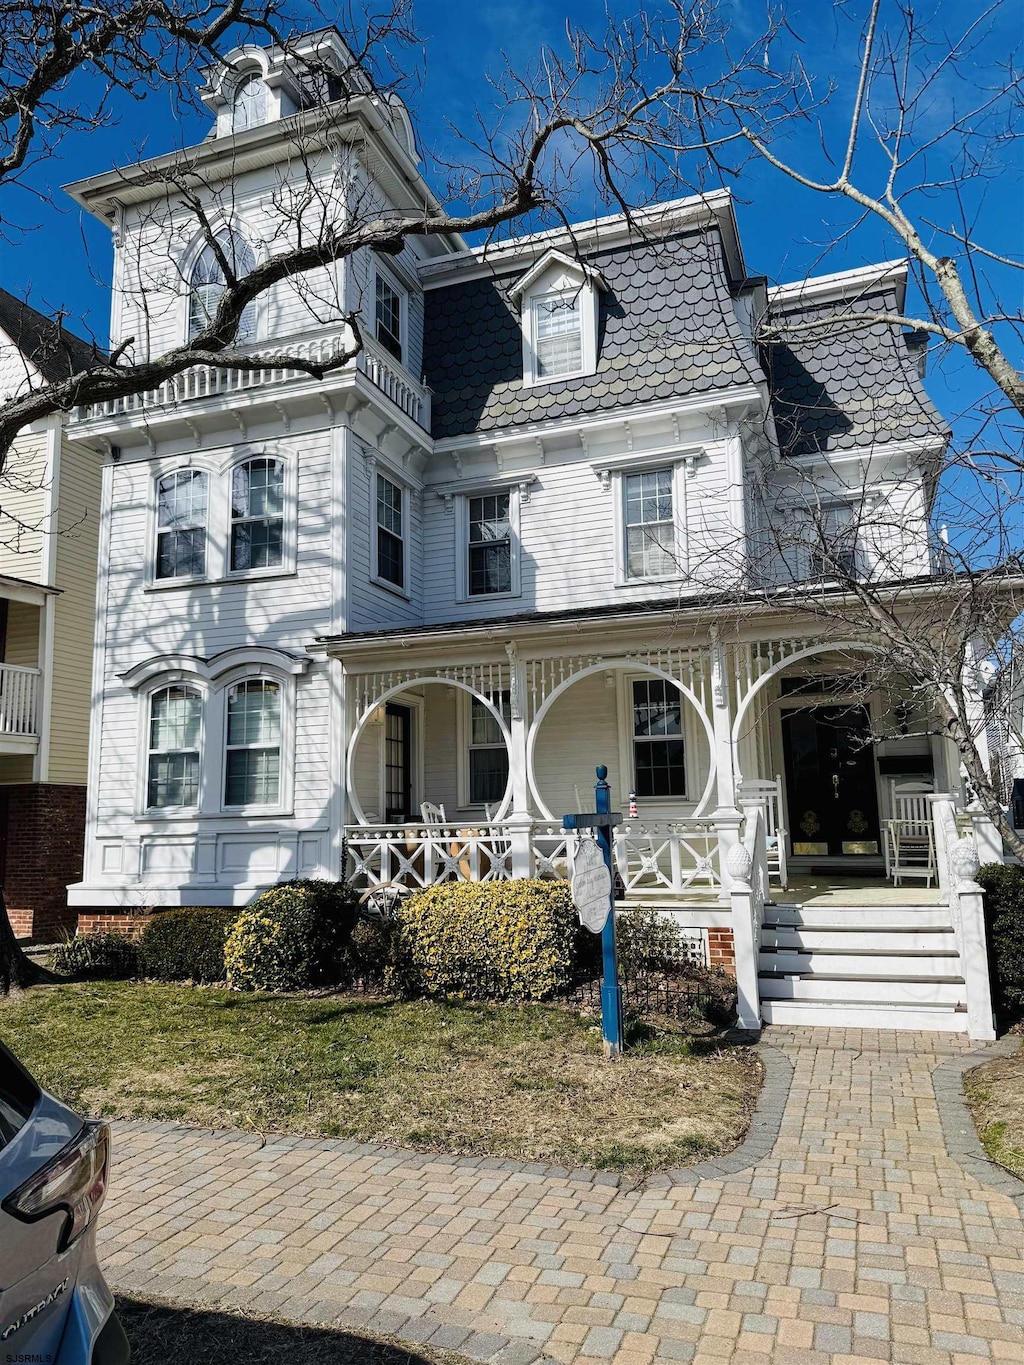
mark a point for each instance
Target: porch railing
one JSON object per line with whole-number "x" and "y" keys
{"x": 653, "y": 858}
{"x": 19, "y": 700}
{"x": 958, "y": 864}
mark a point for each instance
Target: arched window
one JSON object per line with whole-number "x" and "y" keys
{"x": 181, "y": 524}
{"x": 207, "y": 283}
{"x": 249, "y": 107}
{"x": 257, "y": 514}
{"x": 175, "y": 727}
{"x": 252, "y": 768}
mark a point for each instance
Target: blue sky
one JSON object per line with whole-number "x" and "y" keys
{"x": 62, "y": 260}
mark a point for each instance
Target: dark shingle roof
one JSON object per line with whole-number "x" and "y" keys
{"x": 666, "y": 329}
{"x": 46, "y": 342}
{"x": 840, "y": 385}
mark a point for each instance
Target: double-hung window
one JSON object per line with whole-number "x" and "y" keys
{"x": 257, "y": 515}
{"x": 172, "y": 769}
{"x": 252, "y": 767}
{"x": 558, "y": 335}
{"x": 249, "y": 106}
{"x": 208, "y": 282}
{"x": 488, "y": 756}
{"x": 833, "y": 548}
{"x": 390, "y": 533}
{"x": 388, "y": 308}
{"x": 659, "y": 760}
{"x": 489, "y": 548}
{"x": 650, "y": 525}
{"x": 182, "y": 504}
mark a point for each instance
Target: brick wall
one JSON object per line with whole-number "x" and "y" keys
{"x": 130, "y": 922}
{"x": 42, "y": 833}
{"x": 722, "y": 950}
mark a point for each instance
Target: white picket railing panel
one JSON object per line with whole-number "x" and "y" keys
{"x": 19, "y": 700}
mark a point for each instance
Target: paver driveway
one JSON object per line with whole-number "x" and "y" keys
{"x": 859, "y": 1238}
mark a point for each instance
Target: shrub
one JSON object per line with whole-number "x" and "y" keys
{"x": 187, "y": 944}
{"x": 377, "y": 955}
{"x": 649, "y": 939}
{"x": 1004, "y": 928}
{"x": 291, "y": 938}
{"x": 512, "y": 940}
{"x": 109, "y": 955}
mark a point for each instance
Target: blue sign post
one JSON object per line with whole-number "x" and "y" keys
{"x": 603, "y": 820}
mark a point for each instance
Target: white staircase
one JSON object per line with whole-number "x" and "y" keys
{"x": 887, "y": 966}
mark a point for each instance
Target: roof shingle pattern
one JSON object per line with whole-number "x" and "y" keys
{"x": 666, "y": 329}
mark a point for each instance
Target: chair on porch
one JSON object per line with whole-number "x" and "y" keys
{"x": 431, "y": 814}
{"x": 767, "y": 794}
{"x": 909, "y": 834}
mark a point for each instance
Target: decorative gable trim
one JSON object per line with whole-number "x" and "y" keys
{"x": 586, "y": 273}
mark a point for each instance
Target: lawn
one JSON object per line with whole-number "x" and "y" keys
{"x": 995, "y": 1094}
{"x": 514, "y": 1081}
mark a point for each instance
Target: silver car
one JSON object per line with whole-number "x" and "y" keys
{"x": 55, "y": 1306}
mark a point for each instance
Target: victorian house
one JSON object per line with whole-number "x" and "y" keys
{"x": 554, "y": 514}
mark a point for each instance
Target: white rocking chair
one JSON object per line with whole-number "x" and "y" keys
{"x": 432, "y": 815}
{"x": 909, "y": 834}
{"x": 768, "y": 795}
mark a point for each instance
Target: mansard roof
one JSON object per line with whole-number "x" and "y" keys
{"x": 838, "y": 383}
{"x": 666, "y": 329}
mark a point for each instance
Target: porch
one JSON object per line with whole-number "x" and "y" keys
{"x": 463, "y": 753}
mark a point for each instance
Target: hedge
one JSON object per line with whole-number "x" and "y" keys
{"x": 1004, "y": 926}
{"x": 512, "y": 940}
{"x": 292, "y": 937}
{"x": 187, "y": 944}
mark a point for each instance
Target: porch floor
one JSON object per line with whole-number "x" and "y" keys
{"x": 823, "y": 890}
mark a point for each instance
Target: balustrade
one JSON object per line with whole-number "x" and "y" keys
{"x": 19, "y": 700}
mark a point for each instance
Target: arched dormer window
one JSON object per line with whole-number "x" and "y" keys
{"x": 175, "y": 730}
{"x": 257, "y": 514}
{"x": 249, "y": 106}
{"x": 207, "y": 283}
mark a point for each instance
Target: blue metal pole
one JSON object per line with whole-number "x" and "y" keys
{"x": 611, "y": 991}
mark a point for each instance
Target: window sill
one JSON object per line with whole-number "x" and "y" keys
{"x": 392, "y": 588}
{"x": 258, "y": 576}
{"x": 679, "y": 579}
{"x": 466, "y": 599}
{"x": 191, "y": 817}
{"x": 540, "y": 382}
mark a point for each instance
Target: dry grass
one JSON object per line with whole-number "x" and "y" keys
{"x": 995, "y": 1095}
{"x": 527, "y": 1082}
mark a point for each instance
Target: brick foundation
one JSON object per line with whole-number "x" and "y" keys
{"x": 722, "y": 950}
{"x": 42, "y": 840}
{"x": 130, "y": 922}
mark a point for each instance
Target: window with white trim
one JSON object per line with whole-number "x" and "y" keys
{"x": 175, "y": 731}
{"x": 487, "y": 752}
{"x": 388, "y": 305}
{"x": 659, "y": 750}
{"x": 390, "y": 532}
{"x": 558, "y": 335}
{"x": 833, "y": 536}
{"x": 649, "y": 524}
{"x": 252, "y": 764}
{"x": 208, "y": 282}
{"x": 181, "y": 516}
{"x": 489, "y": 544}
{"x": 249, "y": 106}
{"x": 257, "y": 514}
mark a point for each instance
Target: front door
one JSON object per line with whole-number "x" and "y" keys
{"x": 830, "y": 780}
{"x": 397, "y": 764}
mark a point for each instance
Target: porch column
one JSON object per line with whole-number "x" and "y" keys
{"x": 974, "y": 701}
{"x": 520, "y": 819}
{"x": 722, "y": 717}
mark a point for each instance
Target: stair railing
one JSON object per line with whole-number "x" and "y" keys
{"x": 958, "y": 865}
{"x": 746, "y": 863}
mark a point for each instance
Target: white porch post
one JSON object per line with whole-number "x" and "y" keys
{"x": 973, "y": 950}
{"x": 722, "y": 717}
{"x": 744, "y": 936}
{"x": 520, "y": 820}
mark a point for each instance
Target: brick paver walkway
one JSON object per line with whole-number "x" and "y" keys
{"x": 858, "y": 1239}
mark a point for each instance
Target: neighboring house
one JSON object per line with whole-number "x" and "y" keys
{"x": 511, "y": 540}
{"x": 49, "y": 523}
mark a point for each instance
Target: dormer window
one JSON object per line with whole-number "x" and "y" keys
{"x": 559, "y": 318}
{"x": 207, "y": 284}
{"x": 249, "y": 107}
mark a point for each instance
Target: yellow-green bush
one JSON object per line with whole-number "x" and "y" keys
{"x": 292, "y": 937}
{"x": 513, "y": 940}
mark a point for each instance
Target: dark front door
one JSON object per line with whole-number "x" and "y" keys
{"x": 397, "y": 764}
{"x": 830, "y": 781}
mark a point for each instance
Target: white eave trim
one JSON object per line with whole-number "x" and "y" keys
{"x": 843, "y": 284}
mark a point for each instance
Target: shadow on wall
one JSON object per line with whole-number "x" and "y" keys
{"x": 165, "y": 1334}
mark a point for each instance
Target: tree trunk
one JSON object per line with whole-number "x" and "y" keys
{"x": 17, "y": 970}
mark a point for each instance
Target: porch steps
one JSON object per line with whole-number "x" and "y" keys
{"x": 860, "y": 966}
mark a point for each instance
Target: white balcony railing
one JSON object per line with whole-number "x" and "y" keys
{"x": 211, "y": 381}
{"x": 19, "y": 700}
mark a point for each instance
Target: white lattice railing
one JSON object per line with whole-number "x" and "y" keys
{"x": 420, "y": 855}
{"x": 668, "y": 857}
{"x": 19, "y": 700}
{"x": 213, "y": 381}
